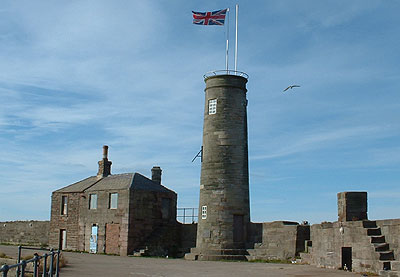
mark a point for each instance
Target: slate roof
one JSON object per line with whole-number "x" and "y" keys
{"x": 134, "y": 181}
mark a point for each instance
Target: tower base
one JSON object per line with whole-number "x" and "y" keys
{"x": 216, "y": 255}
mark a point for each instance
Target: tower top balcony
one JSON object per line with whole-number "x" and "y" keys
{"x": 225, "y": 72}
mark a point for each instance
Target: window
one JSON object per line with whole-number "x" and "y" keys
{"x": 64, "y": 205}
{"x": 92, "y": 201}
{"x": 212, "y": 106}
{"x": 113, "y": 201}
{"x": 203, "y": 212}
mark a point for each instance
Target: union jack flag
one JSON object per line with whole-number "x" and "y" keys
{"x": 209, "y": 18}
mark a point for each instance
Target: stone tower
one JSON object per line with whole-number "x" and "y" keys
{"x": 224, "y": 211}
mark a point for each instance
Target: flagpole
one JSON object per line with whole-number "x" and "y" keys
{"x": 227, "y": 44}
{"x": 236, "y": 36}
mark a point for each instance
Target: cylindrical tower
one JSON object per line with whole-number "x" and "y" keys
{"x": 224, "y": 210}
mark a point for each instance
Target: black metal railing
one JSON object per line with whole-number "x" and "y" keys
{"x": 187, "y": 215}
{"x": 225, "y": 72}
{"x": 49, "y": 269}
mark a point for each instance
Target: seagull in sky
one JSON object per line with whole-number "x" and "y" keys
{"x": 290, "y": 87}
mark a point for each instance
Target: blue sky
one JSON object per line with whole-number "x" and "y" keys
{"x": 75, "y": 75}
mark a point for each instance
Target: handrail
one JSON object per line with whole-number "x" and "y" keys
{"x": 193, "y": 215}
{"x": 225, "y": 72}
{"x": 21, "y": 265}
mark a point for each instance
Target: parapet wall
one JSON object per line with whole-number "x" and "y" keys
{"x": 25, "y": 232}
{"x": 278, "y": 240}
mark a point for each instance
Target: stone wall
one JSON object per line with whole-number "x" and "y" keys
{"x": 101, "y": 217}
{"x": 25, "y": 232}
{"x": 328, "y": 240}
{"x": 148, "y": 224}
{"x": 187, "y": 236}
{"x": 280, "y": 240}
{"x": 68, "y": 222}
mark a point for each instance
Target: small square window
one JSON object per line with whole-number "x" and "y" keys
{"x": 113, "y": 201}
{"x": 64, "y": 205}
{"x": 92, "y": 201}
{"x": 212, "y": 106}
{"x": 203, "y": 212}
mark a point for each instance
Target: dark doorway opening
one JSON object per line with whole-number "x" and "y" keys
{"x": 346, "y": 258}
{"x": 238, "y": 228}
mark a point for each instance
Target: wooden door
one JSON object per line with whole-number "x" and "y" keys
{"x": 238, "y": 228}
{"x": 112, "y": 238}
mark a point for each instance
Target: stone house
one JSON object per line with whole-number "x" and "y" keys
{"x": 113, "y": 214}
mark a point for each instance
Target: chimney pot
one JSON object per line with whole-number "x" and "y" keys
{"x": 105, "y": 151}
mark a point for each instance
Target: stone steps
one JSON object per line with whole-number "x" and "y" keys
{"x": 389, "y": 273}
{"x": 378, "y": 239}
{"x": 374, "y": 232}
{"x": 381, "y": 247}
{"x": 386, "y": 256}
{"x": 229, "y": 252}
{"x": 222, "y": 258}
{"x": 369, "y": 224}
{"x": 217, "y": 255}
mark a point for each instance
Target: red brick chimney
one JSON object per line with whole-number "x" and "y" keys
{"x": 104, "y": 164}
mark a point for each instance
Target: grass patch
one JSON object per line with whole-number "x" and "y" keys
{"x": 4, "y": 256}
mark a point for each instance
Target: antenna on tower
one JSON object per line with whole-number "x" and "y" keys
{"x": 200, "y": 154}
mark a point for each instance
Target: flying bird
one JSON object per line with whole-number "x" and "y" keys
{"x": 290, "y": 87}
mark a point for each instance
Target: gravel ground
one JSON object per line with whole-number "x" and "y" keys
{"x": 83, "y": 264}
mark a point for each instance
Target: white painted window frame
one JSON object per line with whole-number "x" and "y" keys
{"x": 115, "y": 206}
{"x": 203, "y": 212}
{"x": 91, "y": 203}
{"x": 212, "y": 106}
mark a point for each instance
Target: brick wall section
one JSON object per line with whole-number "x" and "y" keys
{"x": 25, "y": 232}
{"x": 69, "y": 222}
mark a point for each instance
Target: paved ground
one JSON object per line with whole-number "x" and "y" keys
{"x": 82, "y": 264}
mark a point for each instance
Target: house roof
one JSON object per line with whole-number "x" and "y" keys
{"x": 134, "y": 181}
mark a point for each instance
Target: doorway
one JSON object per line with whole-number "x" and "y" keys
{"x": 238, "y": 231}
{"x": 112, "y": 238}
{"x": 62, "y": 239}
{"x": 346, "y": 258}
{"x": 93, "y": 239}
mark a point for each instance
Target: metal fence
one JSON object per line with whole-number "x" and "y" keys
{"x": 49, "y": 268}
{"x": 187, "y": 215}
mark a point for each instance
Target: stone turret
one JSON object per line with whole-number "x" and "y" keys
{"x": 224, "y": 210}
